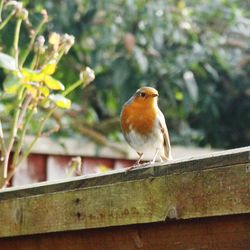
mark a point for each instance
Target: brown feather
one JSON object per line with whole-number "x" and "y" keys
{"x": 167, "y": 147}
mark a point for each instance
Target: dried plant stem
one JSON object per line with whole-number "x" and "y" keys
{"x": 3, "y": 152}
{"x": 22, "y": 135}
{"x": 25, "y": 105}
{"x": 51, "y": 131}
{"x": 20, "y": 99}
{"x": 97, "y": 137}
{"x": 13, "y": 131}
{"x": 11, "y": 172}
{"x": 44, "y": 120}
{"x": 23, "y": 126}
{"x": 38, "y": 134}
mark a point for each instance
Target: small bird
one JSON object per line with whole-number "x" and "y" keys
{"x": 143, "y": 125}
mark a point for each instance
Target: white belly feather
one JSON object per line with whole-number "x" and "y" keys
{"x": 142, "y": 143}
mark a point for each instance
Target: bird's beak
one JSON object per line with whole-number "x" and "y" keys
{"x": 154, "y": 95}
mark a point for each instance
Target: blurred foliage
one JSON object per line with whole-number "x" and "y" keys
{"x": 196, "y": 53}
{"x": 30, "y": 94}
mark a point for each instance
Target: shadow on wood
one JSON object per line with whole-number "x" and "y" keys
{"x": 229, "y": 232}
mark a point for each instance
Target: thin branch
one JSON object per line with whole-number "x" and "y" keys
{"x": 6, "y": 20}
{"x": 13, "y": 131}
{"x": 2, "y": 142}
{"x": 51, "y": 131}
{"x": 32, "y": 41}
{"x": 42, "y": 124}
{"x": 24, "y": 109}
{"x": 75, "y": 167}
{"x": 72, "y": 87}
{"x": 11, "y": 172}
{"x": 62, "y": 52}
{"x": 107, "y": 125}
{"x": 58, "y": 119}
{"x": 97, "y": 137}
{"x": 51, "y": 56}
{"x": 38, "y": 134}
{"x": 1, "y": 8}
{"x": 84, "y": 81}
{"x": 16, "y": 40}
{"x": 35, "y": 61}
{"x": 20, "y": 99}
{"x": 21, "y": 139}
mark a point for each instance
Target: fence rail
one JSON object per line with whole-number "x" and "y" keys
{"x": 214, "y": 185}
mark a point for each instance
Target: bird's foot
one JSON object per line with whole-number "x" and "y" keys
{"x": 138, "y": 165}
{"x": 151, "y": 162}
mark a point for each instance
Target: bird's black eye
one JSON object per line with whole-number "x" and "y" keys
{"x": 142, "y": 94}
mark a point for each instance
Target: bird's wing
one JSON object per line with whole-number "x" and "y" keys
{"x": 167, "y": 147}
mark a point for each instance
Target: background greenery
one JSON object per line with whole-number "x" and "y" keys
{"x": 196, "y": 53}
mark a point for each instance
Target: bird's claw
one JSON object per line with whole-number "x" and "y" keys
{"x": 138, "y": 165}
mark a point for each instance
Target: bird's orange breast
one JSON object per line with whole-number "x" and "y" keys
{"x": 139, "y": 118}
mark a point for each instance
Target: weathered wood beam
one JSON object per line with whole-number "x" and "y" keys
{"x": 214, "y": 185}
{"x": 224, "y": 232}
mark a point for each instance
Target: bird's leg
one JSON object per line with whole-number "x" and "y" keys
{"x": 137, "y": 163}
{"x": 139, "y": 159}
{"x": 154, "y": 158}
{"x": 161, "y": 159}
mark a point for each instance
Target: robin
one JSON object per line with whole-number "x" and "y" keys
{"x": 143, "y": 125}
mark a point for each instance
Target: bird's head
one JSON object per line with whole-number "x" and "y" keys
{"x": 146, "y": 96}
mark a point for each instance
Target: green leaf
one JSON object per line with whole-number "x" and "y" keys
{"x": 52, "y": 83}
{"x": 11, "y": 84}
{"x": 179, "y": 96}
{"x": 60, "y": 101}
{"x": 7, "y": 62}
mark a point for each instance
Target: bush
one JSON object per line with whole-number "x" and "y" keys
{"x": 30, "y": 94}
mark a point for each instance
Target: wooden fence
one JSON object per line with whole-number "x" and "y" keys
{"x": 198, "y": 203}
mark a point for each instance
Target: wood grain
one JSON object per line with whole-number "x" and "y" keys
{"x": 224, "y": 232}
{"x": 209, "y": 161}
